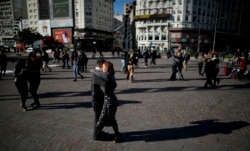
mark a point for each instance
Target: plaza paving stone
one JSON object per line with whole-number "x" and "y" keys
{"x": 154, "y": 113}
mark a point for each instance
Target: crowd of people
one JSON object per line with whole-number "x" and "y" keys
{"x": 27, "y": 78}
{"x": 237, "y": 67}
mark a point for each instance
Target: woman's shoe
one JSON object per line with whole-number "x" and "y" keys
{"x": 118, "y": 138}
{"x": 101, "y": 136}
{"x": 32, "y": 104}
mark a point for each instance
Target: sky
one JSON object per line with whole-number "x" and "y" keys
{"x": 119, "y": 6}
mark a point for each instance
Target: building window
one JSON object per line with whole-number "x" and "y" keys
{"x": 178, "y": 18}
{"x": 156, "y": 37}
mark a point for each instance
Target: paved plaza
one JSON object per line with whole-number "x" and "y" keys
{"x": 154, "y": 113}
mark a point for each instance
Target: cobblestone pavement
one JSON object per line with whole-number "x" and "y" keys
{"x": 153, "y": 114}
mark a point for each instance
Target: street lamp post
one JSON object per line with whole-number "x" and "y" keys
{"x": 199, "y": 37}
{"x": 216, "y": 20}
{"x": 18, "y": 28}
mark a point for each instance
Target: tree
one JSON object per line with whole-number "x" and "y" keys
{"x": 28, "y": 36}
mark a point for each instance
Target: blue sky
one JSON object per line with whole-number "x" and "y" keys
{"x": 119, "y": 6}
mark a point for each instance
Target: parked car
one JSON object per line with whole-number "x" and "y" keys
{"x": 28, "y": 50}
{"x": 5, "y": 48}
{"x": 48, "y": 51}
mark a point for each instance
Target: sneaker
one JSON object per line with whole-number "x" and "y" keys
{"x": 82, "y": 77}
{"x": 74, "y": 80}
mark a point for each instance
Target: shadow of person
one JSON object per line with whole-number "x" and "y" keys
{"x": 200, "y": 128}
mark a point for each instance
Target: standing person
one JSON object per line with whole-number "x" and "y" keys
{"x": 65, "y": 59}
{"x": 53, "y": 55}
{"x": 3, "y": 63}
{"x": 107, "y": 117}
{"x": 209, "y": 69}
{"x": 177, "y": 65}
{"x": 124, "y": 56}
{"x": 131, "y": 68}
{"x": 76, "y": 64}
{"x": 146, "y": 56}
{"x": 84, "y": 61}
{"x": 238, "y": 55}
{"x": 113, "y": 51}
{"x": 153, "y": 58}
{"x": 180, "y": 59}
{"x": 200, "y": 62}
{"x": 45, "y": 59}
{"x": 136, "y": 59}
{"x": 216, "y": 62}
{"x": 97, "y": 91}
{"x": 186, "y": 57}
{"x": 33, "y": 71}
{"x": 243, "y": 67}
{"x": 20, "y": 79}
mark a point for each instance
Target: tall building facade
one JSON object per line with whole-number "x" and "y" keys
{"x": 33, "y": 14}
{"x": 11, "y": 13}
{"x": 94, "y": 23}
{"x": 118, "y": 32}
{"x": 193, "y": 24}
{"x": 152, "y": 20}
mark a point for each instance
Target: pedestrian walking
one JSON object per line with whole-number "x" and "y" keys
{"x": 84, "y": 61}
{"x": 33, "y": 71}
{"x": 153, "y": 57}
{"x": 3, "y": 63}
{"x": 146, "y": 55}
{"x": 65, "y": 59}
{"x": 76, "y": 65}
{"x": 200, "y": 60}
{"x": 186, "y": 58}
{"x": 124, "y": 55}
{"x": 45, "y": 60}
{"x": 131, "y": 68}
{"x": 20, "y": 79}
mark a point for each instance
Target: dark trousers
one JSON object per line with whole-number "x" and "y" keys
{"x": 23, "y": 91}
{"x": 97, "y": 110}
{"x": 200, "y": 66}
{"x": 107, "y": 117}
{"x": 209, "y": 78}
{"x": 33, "y": 87}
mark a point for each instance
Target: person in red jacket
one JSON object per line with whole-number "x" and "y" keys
{"x": 243, "y": 67}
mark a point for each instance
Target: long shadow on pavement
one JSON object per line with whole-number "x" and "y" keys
{"x": 199, "y": 129}
{"x": 184, "y": 88}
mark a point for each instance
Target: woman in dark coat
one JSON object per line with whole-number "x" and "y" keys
{"x": 97, "y": 88}
{"x": 20, "y": 78}
{"x": 107, "y": 117}
{"x": 33, "y": 69}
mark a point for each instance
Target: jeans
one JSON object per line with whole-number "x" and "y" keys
{"x": 123, "y": 62}
{"x": 76, "y": 71}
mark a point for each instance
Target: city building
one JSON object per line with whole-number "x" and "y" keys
{"x": 118, "y": 31}
{"x": 11, "y": 14}
{"x": 199, "y": 25}
{"x": 94, "y": 23}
